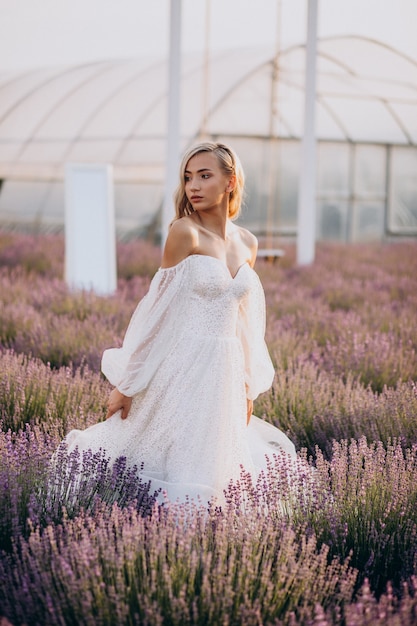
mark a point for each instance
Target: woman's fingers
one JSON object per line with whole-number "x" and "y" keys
{"x": 126, "y": 407}
{"x": 118, "y": 402}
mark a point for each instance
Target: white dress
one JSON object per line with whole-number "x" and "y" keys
{"x": 193, "y": 351}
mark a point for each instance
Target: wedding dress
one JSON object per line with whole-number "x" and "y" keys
{"x": 193, "y": 352}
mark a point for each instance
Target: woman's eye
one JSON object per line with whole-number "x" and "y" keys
{"x": 205, "y": 176}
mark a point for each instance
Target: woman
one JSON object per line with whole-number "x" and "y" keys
{"x": 194, "y": 356}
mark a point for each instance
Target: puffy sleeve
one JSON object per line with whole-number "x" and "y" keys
{"x": 151, "y": 334}
{"x": 259, "y": 371}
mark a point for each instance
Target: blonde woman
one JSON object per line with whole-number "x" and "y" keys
{"x": 194, "y": 356}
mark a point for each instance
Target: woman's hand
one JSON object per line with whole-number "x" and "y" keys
{"x": 249, "y": 410}
{"x": 116, "y": 402}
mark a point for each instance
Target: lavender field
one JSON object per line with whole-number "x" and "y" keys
{"x": 334, "y": 543}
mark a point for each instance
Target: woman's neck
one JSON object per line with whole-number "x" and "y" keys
{"x": 216, "y": 223}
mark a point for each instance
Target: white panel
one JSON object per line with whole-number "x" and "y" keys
{"x": 90, "y": 246}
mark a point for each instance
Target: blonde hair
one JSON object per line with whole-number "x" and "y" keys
{"x": 229, "y": 163}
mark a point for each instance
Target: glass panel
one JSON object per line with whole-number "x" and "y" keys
{"x": 290, "y": 103}
{"x": 41, "y": 204}
{"x": 370, "y": 171}
{"x": 137, "y": 206}
{"x": 271, "y": 184}
{"x": 368, "y": 221}
{"x": 332, "y": 220}
{"x": 333, "y": 170}
{"x": 402, "y": 208}
{"x": 33, "y": 203}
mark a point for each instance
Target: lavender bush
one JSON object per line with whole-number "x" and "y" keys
{"x": 55, "y": 400}
{"x": 41, "y": 484}
{"x": 331, "y": 541}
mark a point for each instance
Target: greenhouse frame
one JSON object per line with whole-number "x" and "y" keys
{"x": 115, "y": 112}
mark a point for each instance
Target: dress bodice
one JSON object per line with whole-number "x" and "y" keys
{"x": 213, "y": 296}
{"x": 197, "y": 300}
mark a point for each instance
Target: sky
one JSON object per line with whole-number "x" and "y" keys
{"x": 42, "y": 33}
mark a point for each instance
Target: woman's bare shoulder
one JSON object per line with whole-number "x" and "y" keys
{"x": 250, "y": 241}
{"x": 248, "y": 237}
{"x": 181, "y": 242}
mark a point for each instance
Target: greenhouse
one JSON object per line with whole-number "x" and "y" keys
{"x": 115, "y": 112}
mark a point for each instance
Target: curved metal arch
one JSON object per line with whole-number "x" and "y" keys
{"x": 68, "y": 94}
{"x": 15, "y": 79}
{"x": 399, "y": 122}
{"x": 386, "y": 105}
{"x": 285, "y": 52}
{"x": 107, "y": 65}
{"x": 238, "y": 84}
{"x": 130, "y": 135}
{"x": 348, "y": 69}
{"x": 376, "y": 42}
{"x": 335, "y": 118}
{"x": 57, "y": 166}
{"x": 364, "y": 77}
{"x": 114, "y": 93}
{"x": 26, "y": 142}
{"x": 40, "y": 86}
{"x": 280, "y": 116}
{"x": 144, "y": 115}
{"x": 222, "y": 99}
{"x": 382, "y": 101}
{"x": 59, "y": 103}
{"x": 319, "y": 99}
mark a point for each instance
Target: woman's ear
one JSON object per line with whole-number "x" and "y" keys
{"x": 231, "y": 184}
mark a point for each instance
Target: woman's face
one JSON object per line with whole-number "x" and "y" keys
{"x": 206, "y": 184}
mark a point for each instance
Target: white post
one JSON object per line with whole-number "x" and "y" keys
{"x": 306, "y": 230}
{"x": 173, "y": 135}
{"x": 90, "y": 240}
